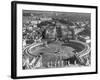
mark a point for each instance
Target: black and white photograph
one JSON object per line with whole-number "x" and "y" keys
{"x": 53, "y": 39}
{"x": 56, "y": 39}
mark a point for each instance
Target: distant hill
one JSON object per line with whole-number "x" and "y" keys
{"x": 72, "y": 16}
